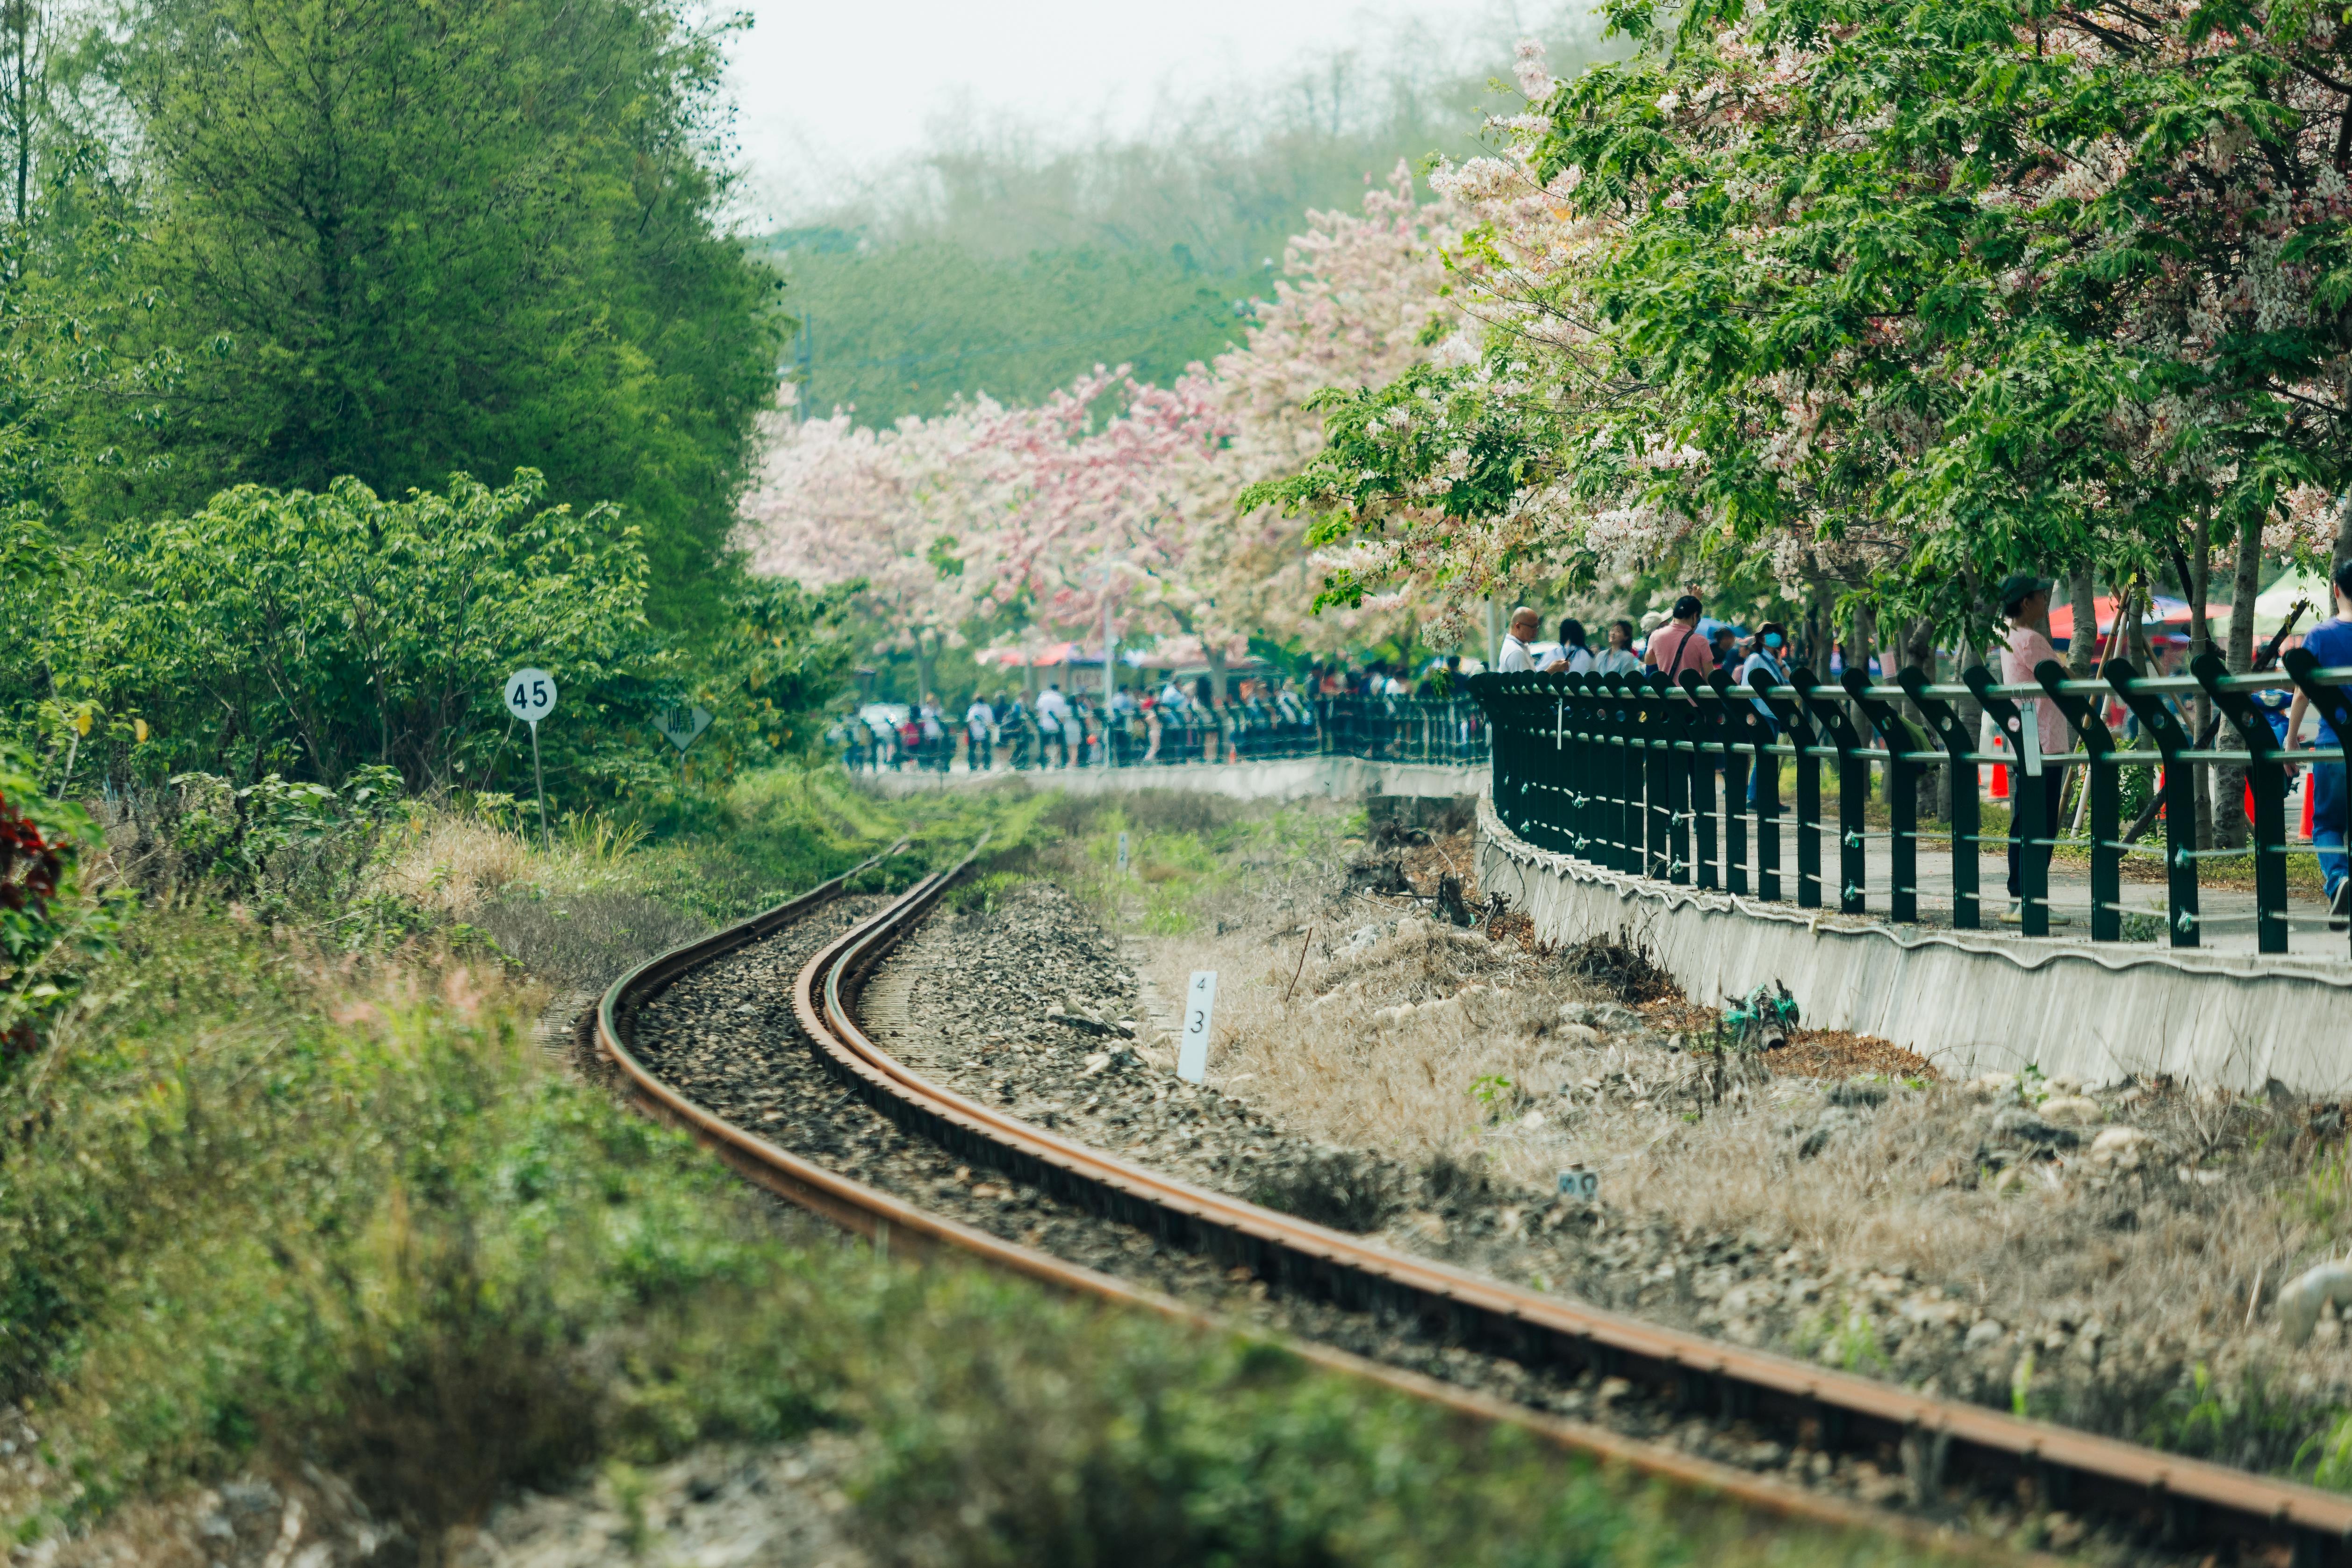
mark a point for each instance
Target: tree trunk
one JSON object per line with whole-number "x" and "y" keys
{"x": 925, "y": 669}
{"x": 2343, "y": 548}
{"x": 1216, "y": 650}
{"x": 2200, "y": 576}
{"x": 1820, "y": 627}
{"x": 1935, "y": 785}
{"x": 2230, "y": 781}
{"x": 2083, "y": 647}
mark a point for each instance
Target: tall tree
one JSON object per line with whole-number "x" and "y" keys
{"x": 405, "y": 237}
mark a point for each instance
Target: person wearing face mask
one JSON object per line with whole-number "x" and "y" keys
{"x": 1766, "y": 652}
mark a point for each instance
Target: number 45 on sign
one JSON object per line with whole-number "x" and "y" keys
{"x": 531, "y": 696}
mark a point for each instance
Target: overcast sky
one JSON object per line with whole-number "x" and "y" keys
{"x": 827, "y": 89}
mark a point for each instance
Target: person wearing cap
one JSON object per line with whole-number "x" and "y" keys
{"x": 2025, "y": 602}
{"x": 1518, "y": 656}
{"x": 2330, "y": 642}
{"x": 1678, "y": 645}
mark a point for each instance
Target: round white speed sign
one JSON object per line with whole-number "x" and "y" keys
{"x": 531, "y": 695}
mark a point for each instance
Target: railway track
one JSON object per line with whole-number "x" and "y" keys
{"x": 1948, "y": 1452}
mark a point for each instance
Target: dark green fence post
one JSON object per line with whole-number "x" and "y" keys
{"x": 2025, "y": 806}
{"x": 1835, "y": 726}
{"x": 2179, "y": 802}
{"x": 1617, "y": 803}
{"x": 1736, "y": 721}
{"x": 1767, "y": 794}
{"x": 2266, "y": 774}
{"x": 1705, "y": 725}
{"x": 2099, "y": 780}
{"x": 1674, "y": 730}
{"x": 1959, "y": 756}
{"x": 1800, "y": 732}
{"x": 1902, "y": 795}
{"x": 1650, "y": 715}
{"x": 1576, "y": 777}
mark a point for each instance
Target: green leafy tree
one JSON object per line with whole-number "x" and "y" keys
{"x": 310, "y": 634}
{"x": 407, "y": 237}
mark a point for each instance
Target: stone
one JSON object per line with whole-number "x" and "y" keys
{"x": 1993, "y": 1085}
{"x": 1579, "y": 1034}
{"x": 2016, "y": 1125}
{"x": 2299, "y": 1303}
{"x": 1986, "y": 1331}
{"x": 2065, "y": 1084}
{"x": 2122, "y": 1148}
{"x": 2072, "y": 1110}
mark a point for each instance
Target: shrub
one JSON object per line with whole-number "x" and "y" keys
{"x": 50, "y": 928}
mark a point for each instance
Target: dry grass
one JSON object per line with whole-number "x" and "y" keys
{"x": 1422, "y": 1042}
{"x": 451, "y": 864}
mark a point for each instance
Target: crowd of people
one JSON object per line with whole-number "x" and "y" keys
{"x": 1175, "y": 723}
{"x": 1367, "y": 708}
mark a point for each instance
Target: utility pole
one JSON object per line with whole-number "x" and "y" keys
{"x": 1110, "y": 647}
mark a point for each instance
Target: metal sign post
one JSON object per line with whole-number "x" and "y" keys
{"x": 531, "y": 696}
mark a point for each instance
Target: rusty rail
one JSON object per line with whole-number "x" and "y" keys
{"x": 2180, "y": 1504}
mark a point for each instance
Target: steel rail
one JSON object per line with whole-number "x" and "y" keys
{"x": 2183, "y": 1504}
{"x": 889, "y": 1222}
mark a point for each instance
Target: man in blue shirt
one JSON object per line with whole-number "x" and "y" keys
{"x": 2330, "y": 642}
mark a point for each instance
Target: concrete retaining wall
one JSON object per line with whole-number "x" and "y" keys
{"x": 1287, "y": 778}
{"x": 1967, "y": 1001}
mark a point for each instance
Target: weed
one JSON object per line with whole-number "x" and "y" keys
{"x": 1622, "y": 966}
{"x": 1494, "y": 1091}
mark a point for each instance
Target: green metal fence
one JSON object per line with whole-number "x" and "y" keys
{"x": 1649, "y": 779}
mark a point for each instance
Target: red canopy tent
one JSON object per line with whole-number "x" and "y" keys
{"x": 2167, "y": 611}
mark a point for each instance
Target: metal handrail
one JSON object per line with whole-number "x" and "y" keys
{"x": 1621, "y": 769}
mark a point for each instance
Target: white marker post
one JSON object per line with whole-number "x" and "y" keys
{"x": 531, "y": 696}
{"x": 1192, "y": 1051}
{"x": 1122, "y": 854}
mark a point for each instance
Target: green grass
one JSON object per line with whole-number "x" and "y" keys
{"x": 259, "y": 1205}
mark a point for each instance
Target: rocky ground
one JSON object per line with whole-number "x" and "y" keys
{"x": 2108, "y": 1255}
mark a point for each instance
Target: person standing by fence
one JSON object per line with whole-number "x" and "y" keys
{"x": 1764, "y": 655}
{"x": 2025, "y": 601}
{"x": 1678, "y": 645}
{"x": 1053, "y": 724}
{"x": 979, "y": 724}
{"x": 1619, "y": 658}
{"x": 2330, "y": 642}
{"x": 1573, "y": 658}
{"x": 1518, "y": 656}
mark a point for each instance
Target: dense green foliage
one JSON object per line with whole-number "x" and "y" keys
{"x": 306, "y": 635}
{"x": 393, "y": 240}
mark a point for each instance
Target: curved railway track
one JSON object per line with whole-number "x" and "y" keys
{"x": 1949, "y": 1451}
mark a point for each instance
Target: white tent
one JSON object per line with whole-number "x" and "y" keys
{"x": 2271, "y": 607}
